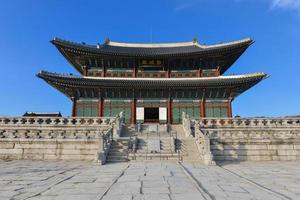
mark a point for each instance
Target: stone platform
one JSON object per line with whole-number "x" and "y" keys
{"x": 168, "y": 180}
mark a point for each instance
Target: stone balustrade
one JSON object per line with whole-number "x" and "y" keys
{"x": 56, "y": 127}
{"x": 75, "y": 138}
{"x": 239, "y": 139}
{"x": 249, "y": 122}
{"x": 118, "y": 124}
{"x": 56, "y": 121}
{"x": 203, "y": 145}
{"x": 186, "y": 124}
{"x": 202, "y": 140}
{"x": 105, "y": 141}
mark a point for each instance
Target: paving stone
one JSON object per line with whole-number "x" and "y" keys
{"x": 156, "y": 190}
{"x": 154, "y": 184}
{"x": 148, "y": 180}
{"x": 151, "y": 197}
{"x": 126, "y": 188}
{"x": 189, "y": 196}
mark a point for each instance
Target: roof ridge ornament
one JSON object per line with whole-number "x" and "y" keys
{"x": 107, "y": 40}
{"x": 195, "y": 40}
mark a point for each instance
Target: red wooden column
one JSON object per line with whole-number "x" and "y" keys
{"x": 133, "y": 111}
{"x": 100, "y": 107}
{"x": 103, "y": 72}
{"x": 202, "y": 108}
{"x": 199, "y": 72}
{"x": 229, "y": 108}
{"x": 134, "y": 71}
{"x": 74, "y": 107}
{"x": 169, "y": 110}
{"x": 85, "y": 70}
{"x": 218, "y": 71}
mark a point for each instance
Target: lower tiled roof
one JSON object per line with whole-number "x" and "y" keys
{"x": 220, "y": 81}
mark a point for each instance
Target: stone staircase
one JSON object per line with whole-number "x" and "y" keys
{"x": 189, "y": 150}
{"x": 154, "y": 148}
{"x": 186, "y": 145}
{"x": 151, "y": 145}
{"x": 118, "y": 151}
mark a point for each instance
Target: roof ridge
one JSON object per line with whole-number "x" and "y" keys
{"x": 154, "y": 45}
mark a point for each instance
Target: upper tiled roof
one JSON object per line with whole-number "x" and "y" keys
{"x": 152, "y": 49}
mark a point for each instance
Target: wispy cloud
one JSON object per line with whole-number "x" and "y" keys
{"x": 274, "y": 4}
{"x": 286, "y": 4}
{"x": 188, "y": 4}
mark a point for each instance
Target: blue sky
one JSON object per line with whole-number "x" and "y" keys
{"x": 28, "y": 26}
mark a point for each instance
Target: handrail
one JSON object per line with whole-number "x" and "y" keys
{"x": 159, "y": 143}
{"x": 54, "y": 121}
{"x": 248, "y": 122}
{"x": 64, "y": 128}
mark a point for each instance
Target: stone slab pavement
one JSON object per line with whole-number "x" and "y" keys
{"x": 165, "y": 180}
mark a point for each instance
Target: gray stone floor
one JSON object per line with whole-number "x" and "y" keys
{"x": 148, "y": 180}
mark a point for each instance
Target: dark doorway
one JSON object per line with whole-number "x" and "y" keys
{"x": 151, "y": 115}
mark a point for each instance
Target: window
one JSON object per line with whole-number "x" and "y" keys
{"x": 87, "y": 108}
{"x": 216, "y": 109}
{"x": 190, "y": 107}
{"x": 208, "y": 72}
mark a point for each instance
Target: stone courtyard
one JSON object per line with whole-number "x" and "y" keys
{"x": 165, "y": 180}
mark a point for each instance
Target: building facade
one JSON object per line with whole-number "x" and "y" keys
{"x": 152, "y": 82}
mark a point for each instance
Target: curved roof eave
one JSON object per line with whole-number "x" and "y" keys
{"x": 223, "y": 81}
{"x": 156, "y": 49}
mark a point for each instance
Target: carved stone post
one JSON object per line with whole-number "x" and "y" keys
{"x": 100, "y": 156}
{"x": 203, "y": 144}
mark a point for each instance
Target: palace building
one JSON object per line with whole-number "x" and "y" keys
{"x": 153, "y": 82}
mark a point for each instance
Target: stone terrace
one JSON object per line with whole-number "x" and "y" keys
{"x": 148, "y": 180}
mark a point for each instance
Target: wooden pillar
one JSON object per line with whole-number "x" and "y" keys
{"x": 100, "y": 107}
{"x": 169, "y": 110}
{"x": 202, "y": 108}
{"x": 169, "y": 73}
{"x": 229, "y": 108}
{"x": 218, "y": 71}
{"x": 133, "y": 111}
{"x": 103, "y": 72}
{"x": 199, "y": 72}
{"x": 134, "y": 71}
{"x": 74, "y": 107}
{"x": 85, "y": 70}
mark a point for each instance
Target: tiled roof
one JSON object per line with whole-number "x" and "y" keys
{"x": 155, "y": 49}
{"x": 220, "y": 81}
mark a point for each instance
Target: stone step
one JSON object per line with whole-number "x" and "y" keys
{"x": 118, "y": 150}
{"x": 116, "y": 160}
{"x": 119, "y": 144}
{"x": 120, "y": 147}
{"x": 113, "y": 155}
{"x": 150, "y": 157}
{"x": 154, "y": 154}
{"x": 164, "y": 151}
{"x": 155, "y": 158}
{"x": 117, "y": 154}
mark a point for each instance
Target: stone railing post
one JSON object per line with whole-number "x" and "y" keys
{"x": 203, "y": 144}
{"x": 186, "y": 124}
{"x": 100, "y": 157}
{"x": 117, "y": 125}
{"x": 105, "y": 140}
